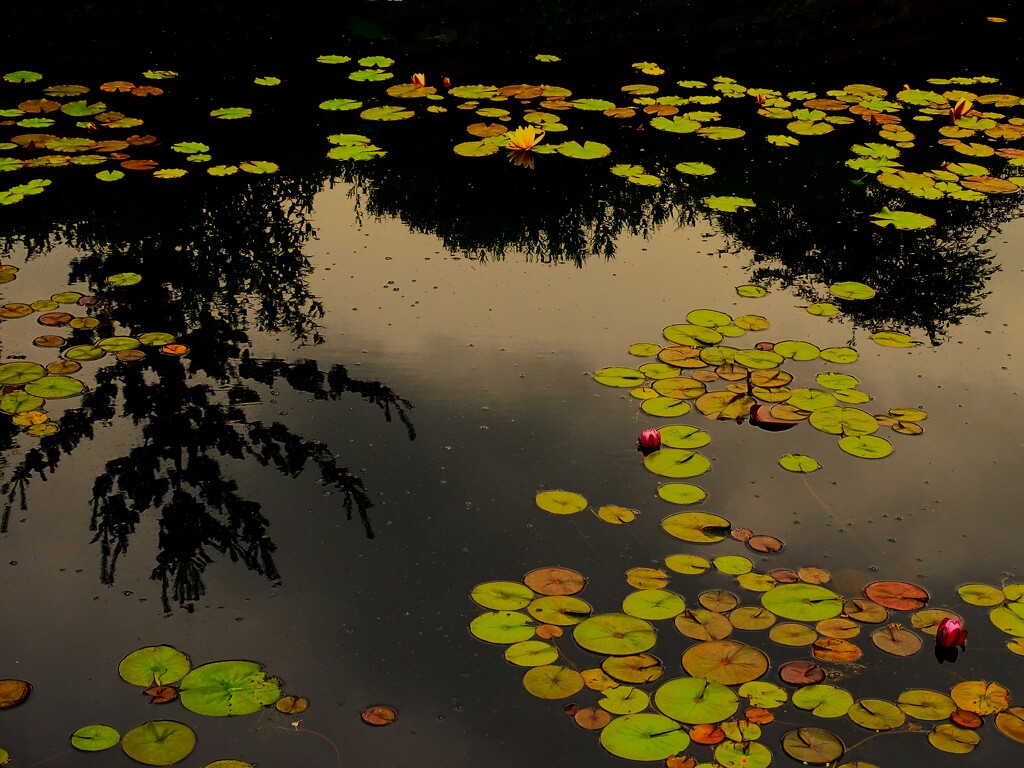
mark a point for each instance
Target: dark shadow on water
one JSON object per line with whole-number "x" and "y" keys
{"x": 211, "y": 270}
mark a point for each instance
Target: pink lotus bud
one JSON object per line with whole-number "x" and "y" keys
{"x": 950, "y": 633}
{"x": 649, "y": 439}
{"x": 419, "y": 79}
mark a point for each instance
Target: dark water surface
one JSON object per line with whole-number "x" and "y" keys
{"x": 389, "y": 359}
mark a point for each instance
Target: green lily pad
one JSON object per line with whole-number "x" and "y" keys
{"x": 561, "y": 502}
{"x": 386, "y": 113}
{"x": 697, "y": 527}
{"x": 502, "y": 595}
{"x": 751, "y": 291}
{"x": 619, "y": 377}
{"x": 551, "y": 681}
{"x": 340, "y": 105}
{"x": 615, "y": 634}
{"x": 653, "y": 604}
{"x": 665, "y": 407}
{"x": 683, "y": 436}
{"x": 852, "y": 290}
{"x": 22, "y": 76}
{"x": 823, "y": 700}
{"x": 734, "y": 565}
{"x": 695, "y": 169}
{"x": 794, "y": 635}
{"x": 802, "y": 602}
{"x": 676, "y": 463}
{"x": 481, "y": 148}
{"x": 531, "y": 653}
{"x": 54, "y": 387}
{"x": 948, "y": 737}
{"x": 644, "y": 736}
{"x": 258, "y": 166}
{"x": 84, "y": 352}
{"x": 797, "y": 462}
{"x": 675, "y": 124}
{"x": 866, "y": 446}
{"x": 691, "y": 565}
{"x": 590, "y": 150}
{"x": 1009, "y": 618}
{"x": 267, "y": 81}
{"x": 876, "y": 714}
{"x": 224, "y": 688}
{"x": 502, "y": 627}
{"x": 370, "y": 75}
{"x": 110, "y": 175}
{"x": 560, "y": 610}
{"x": 752, "y": 754}
{"x": 156, "y": 339}
{"x": 19, "y": 402}
{"x": 624, "y": 700}
{"x": 333, "y": 59}
{"x": 95, "y": 738}
{"x": 122, "y": 279}
{"x": 695, "y": 700}
{"x": 159, "y": 742}
{"x": 682, "y": 493}
{"x": 926, "y": 705}
{"x": 981, "y": 594}
{"x": 231, "y": 113}
{"x": 16, "y": 374}
{"x": 813, "y": 746}
{"x": 728, "y": 204}
{"x": 894, "y": 339}
{"x": 841, "y": 420}
{"x": 902, "y": 219}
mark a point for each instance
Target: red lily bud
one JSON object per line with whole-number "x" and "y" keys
{"x": 950, "y": 633}
{"x": 650, "y": 439}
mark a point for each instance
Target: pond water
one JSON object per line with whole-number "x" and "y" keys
{"x": 387, "y": 358}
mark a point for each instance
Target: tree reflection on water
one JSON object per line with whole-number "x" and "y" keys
{"x": 212, "y": 270}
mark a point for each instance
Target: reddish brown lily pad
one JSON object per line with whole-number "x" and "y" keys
{"x": 378, "y": 715}
{"x": 966, "y": 719}
{"x": 555, "y": 581}
{"x": 13, "y": 693}
{"x": 55, "y": 319}
{"x": 765, "y": 544}
{"x": 801, "y": 673}
{"x": 708, "y": 734}
{"x": 898, "y": 595}
{"x": 591, "y": 718}
{"x": 161, "y": 694}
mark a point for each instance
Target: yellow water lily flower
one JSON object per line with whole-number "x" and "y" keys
{"x": 524, "y": 138}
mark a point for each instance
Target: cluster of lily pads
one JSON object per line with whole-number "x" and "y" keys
{"x": 59, "y": 108}
{"x": 217, "y": 689}
{"x": 642, "y": 716}
{"x": 28, "y": 385}
{"x": 734, "y": 383}
{"x": 972, "y": 124}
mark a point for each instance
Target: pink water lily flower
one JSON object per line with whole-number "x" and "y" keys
{"x": 649, "y": 439}
{"x": 950, "y": 633}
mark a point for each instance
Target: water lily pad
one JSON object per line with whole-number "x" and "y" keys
{"x": 823, "y": 700}
{"x": 19, "y": 402}
{"x": 695, "y": 700}
{"x": 676, "y": 463}
{"x": 751, "y": 617}
{"x": 981, "y": 697}
{"x": 94, "y": 738}
{"x": 653, "y": 604}
{"x": 624, "y": 700}
{"x": 502, "y": 627}
{"x": 552, "y": 681}
{"x": 637, "y": 669}
{"x": 159, "y": 742}
{"x": 702, "y": 624}
{"x": 231, "y": 113}
{"x": 728, "y": 662}
{"x": 981, "y": 594}
{"x": 502, "y": 595}
{"x": 53, "y": 387}
{"x": 866, "y": 446}
{"x": 902, "y": 219}
{"x": 555, "y": 581}
{"x": 122, "y": 279}
{"x": 797, "y": 462}
{"x": 644, "y": 736}
{"x": 619, "y": 377}
{"x": 751, "y": 291}
{"x": 696, "y": 169}
{"x": 802, "y": 602}
{"x": 690, "y": 565}
{"x": 615, "y": 634}
{"x": 224, "y": 688}
{"x": 952, "y": 738}
{"x": 560, "y": 610}
{"x": 13, "y": 693}
{"x": 386, "y": 113}
{"x": 697, "y": 527}
{"x": 896, "y": 641}
{"x": 1011, "y": 723}
{"x": 16, "y": 374}
{"x": 590, "y": 150}
{"x": 728, "y": 203}
{"x": 561, "y": 502}
{"x": 743, "y": 755}
{"x": 926, "y": 705}
{"x": 876, "y": 714}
